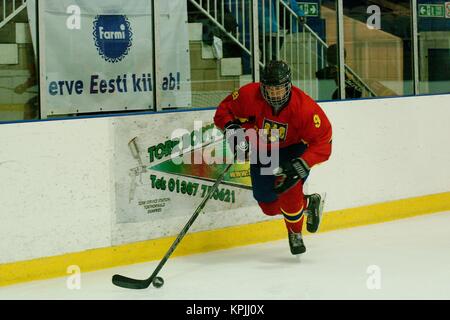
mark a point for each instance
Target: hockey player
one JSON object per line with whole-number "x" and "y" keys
{"x": 303, "y": 137}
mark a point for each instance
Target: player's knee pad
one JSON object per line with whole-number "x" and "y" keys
{"x": 293, "y": 199}
{"x": 270, "y": 208}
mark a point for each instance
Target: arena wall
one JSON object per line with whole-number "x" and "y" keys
{"x": 58, "y": 197}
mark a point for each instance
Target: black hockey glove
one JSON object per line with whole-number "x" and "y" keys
{"x": 235, "y": 136}
{"x": 289, "y": 173}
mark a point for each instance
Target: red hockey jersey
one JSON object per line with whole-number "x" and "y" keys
{"x": 302, "y": 120}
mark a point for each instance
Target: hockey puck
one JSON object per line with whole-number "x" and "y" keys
{"x": 158, "y": 282}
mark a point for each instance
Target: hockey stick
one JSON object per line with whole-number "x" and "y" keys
{"x": 125, "y": 282}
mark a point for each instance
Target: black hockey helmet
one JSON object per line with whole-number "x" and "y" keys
{"x": 276, "y": 84}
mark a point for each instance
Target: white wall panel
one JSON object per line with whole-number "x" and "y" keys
{"x": 57, "y": 178}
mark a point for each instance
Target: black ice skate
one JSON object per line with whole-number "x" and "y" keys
{"x": 314, "y": 212}
{"x": 296, "y": 243}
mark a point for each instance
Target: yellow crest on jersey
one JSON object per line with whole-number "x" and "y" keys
{"x": 235, "y": 94}
{"x": 275, "y": 131}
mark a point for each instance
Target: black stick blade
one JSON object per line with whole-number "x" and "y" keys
{"x": 130, "y": 283}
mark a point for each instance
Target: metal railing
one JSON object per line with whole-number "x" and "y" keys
{"x": 217, "y": 13}
{"x": 301, "y": 47}
{"x": 286, "y": 36}
{"x": 282, "y": 34}
{"x": 9, "y": 9}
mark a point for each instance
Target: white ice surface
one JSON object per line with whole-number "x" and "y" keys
{"x": 413, "y": 257}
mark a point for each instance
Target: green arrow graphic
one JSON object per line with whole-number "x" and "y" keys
{"x": 423, "y": 10}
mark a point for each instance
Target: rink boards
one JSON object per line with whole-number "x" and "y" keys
{"x": 75, "y": 193}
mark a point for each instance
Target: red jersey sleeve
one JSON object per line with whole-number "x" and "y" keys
{"x": 233, "y": 107}
{"x": 317, "y": 134}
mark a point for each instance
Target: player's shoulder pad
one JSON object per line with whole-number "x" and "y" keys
{"x": 244, "y": 92}
{"x": 309, "y": 109}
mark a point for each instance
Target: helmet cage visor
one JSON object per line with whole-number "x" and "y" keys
{"x": 277, "y": 96}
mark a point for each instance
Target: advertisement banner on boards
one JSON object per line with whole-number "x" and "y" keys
{"x": 99, "y": 57}
{"x": 161, "y": 172}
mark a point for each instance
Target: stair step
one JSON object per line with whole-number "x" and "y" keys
{"x": 231, "y": 67}
{"x": 195, "y": 31}
{"x": 10, "y": 53}
{"x": 195, "y": 48}
{"x": 23, "y": 34}
{"x": 207, "y": 52}
{"x": 15, "y": 32}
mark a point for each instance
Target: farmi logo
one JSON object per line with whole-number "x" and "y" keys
{"x": 113, "y": 35}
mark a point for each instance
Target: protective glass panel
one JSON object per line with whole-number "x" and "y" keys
{"x": 221, "y": 46}
{"x": 378, "y": 48}
{"x": 434, "y": 46}
{"x": 18, "y": 75}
